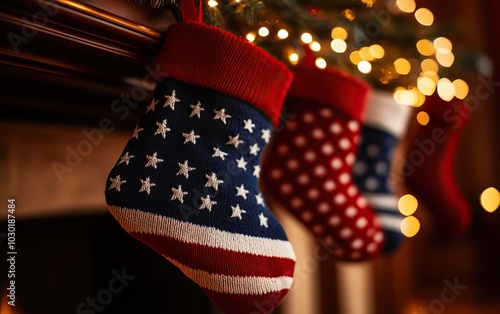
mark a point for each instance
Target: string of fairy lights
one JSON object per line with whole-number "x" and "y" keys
{"x": 410, "y": 72}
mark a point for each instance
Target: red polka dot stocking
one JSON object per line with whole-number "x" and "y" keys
{"x": 308, "y": 165}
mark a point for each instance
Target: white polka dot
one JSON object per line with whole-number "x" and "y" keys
{"x": 353, "y": 125}
{"x": 320, "y": 171}
{"x": 313, "y": 193}
{"x": 296, "y": 202}
{"x": 335, "y": 128}
{"x": 276, "y": 174}
{"x": 339, "y": 199}
{"x": 334, "y": 220}
{"x": 308, "y": 117}
{"x": 291, "y": 125}
{"x": 357, "y": 244}
{"x": 371, "y": 247}
{"x": 310, "y": 155}
{"x": 292, "y": 164}
{"x": 351, "y": 211}
{"x": 329, "y": 185}
{"x": 303, "y": 179}
{"x": 286, "y": 188}
{"x": 300, "y": 140}
{"x": 344, "y": 178}
{"x": 361, "y": 222}
{"x": 355, "y": 255}
{"x": 381, "y": 168}
{"x": 283, "y": 149}
{"x": 318, "y": 133}
{"x": 359, "y": 168}
{"x": 349, "y": 159}
{"x": 307, "y": 216}
{"x": 379, "y": 237}
{"x": 323, "y": 207}
{"x": 371, "y": 184}
{"x": 345, "y": 232}
{"x": 326, "y": 113}
{"x": 318, "y": 229}
{"x": 336, "y": 163}
{"x": 327, "y": 149}
{"x": 372, "y": 151}
{"x": 352, "y": 190}
{"x": 361, "y": 202}
{"x": 344, "y": 143}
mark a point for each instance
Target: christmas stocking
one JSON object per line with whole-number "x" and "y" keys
{"x": 430, "y": 164}
{"x": 186, "y": 182}
{"x": 308, "y": 166}
{"x": 385, "y": 122}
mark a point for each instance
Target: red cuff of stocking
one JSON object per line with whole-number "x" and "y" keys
{"x": 209, "y": 57}
{"x": 333, "y": 88}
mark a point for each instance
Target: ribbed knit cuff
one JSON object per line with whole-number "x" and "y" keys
{"x": 209, "y": 57}
{"x": 385, "y": 113}
{"x": 333, "y": 88}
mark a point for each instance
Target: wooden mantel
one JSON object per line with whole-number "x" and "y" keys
{"x": 77, "y": 57}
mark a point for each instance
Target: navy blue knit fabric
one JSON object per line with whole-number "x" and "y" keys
{"x": 371, "y": 175}
{"x": 222, "y": 141}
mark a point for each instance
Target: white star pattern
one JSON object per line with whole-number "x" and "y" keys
{"x": 242, "y": 163}
{"x": 249, "y": 125}
{"x": 219, "y": 153}
{"x": 153, "y": 160}
{"x": 235, "y": 141}
{"x": 241, "y": 191}
{"x": 207, "y": 203}
{"x": 146, "y": 185}
{"x": 221, "y": 114}
{"x": 266, "y": 135}
{"x": 171, "y": 100}
{"x": 184, "y": 169}
{"x": 152, "y": 105}
{"x": 254, "y": 149}
{"x": 116, "y": 183}
{"x": 125, "y": 158}
{"x": 213, "y": 181}
{"x": 197, "y": 109}
{"x": 178, "y": 194}
{"x": 136, "y": 132}
{"x": 237, "y": 211}
{"x": 190, "y": 137}
{"x": 256, "y": 171}
{"x": 263, "y": 220}
{"x": 162, "y": 128}
{"x": 259, "y": 199}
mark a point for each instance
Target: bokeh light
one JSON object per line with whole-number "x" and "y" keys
{"x": 425, "y": 47}
{"x": 407, "y": 204}
{"x": 339, "y": 33}
{"x": 338, "y": 45}
{"x": 490, "y": 199}
{"x": 402, "y": 66}
{"x": 364, "y": 67}
{"x": 410, "y": 226}
{"x": 424, "y": 16}
{"x": 320, "y": 63}
{"x": 423, "y": 118}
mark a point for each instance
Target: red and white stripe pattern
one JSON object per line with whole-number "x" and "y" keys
{"x": 247, "y": 270}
